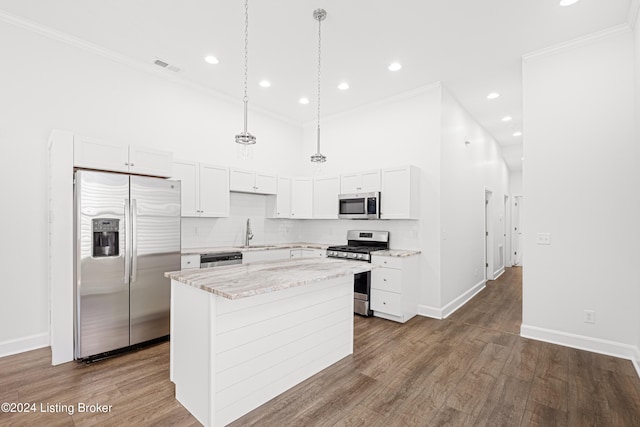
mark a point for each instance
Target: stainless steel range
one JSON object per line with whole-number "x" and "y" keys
{"x": 360, "y": 245}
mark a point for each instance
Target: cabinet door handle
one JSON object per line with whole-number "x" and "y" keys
{"x": 131, "y": 164}
{"x": 384, "y": 280}
{"x": 126, "y": 163}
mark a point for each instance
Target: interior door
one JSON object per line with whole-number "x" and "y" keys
{"x": 102, "y": 280}
{"x": 517, "y": 231}
{"x": 155, "y": 220}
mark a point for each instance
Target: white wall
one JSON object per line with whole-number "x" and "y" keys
{"x": 403, "y": 130}
{"x": 515, "y": 183}
{"x": 47, "y": 84}
{"x": 636, "y": 36}
{"x": 581, "y": 186}
{"x": 466, "y": 171}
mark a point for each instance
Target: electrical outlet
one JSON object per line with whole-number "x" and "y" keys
{"x": 589, "y": 316}
{"x": 543, "y": 239}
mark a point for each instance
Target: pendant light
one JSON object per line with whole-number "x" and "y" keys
{"x": 245, "y": 139}
{"x": 318, "y": 158}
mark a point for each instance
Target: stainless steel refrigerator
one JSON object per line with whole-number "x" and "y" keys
{"x": 127, "y": 236}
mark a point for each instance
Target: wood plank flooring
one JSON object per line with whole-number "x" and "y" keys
{"x": 471, "y": 369}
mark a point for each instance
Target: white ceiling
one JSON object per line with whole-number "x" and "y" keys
{"x": 474, "y": 47}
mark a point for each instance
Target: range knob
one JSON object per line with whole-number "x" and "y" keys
{"x": 360, "y": 256}
{"x": 343, "y": 255}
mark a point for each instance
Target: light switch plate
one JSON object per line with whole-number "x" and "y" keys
{"x": 543, "y": 239}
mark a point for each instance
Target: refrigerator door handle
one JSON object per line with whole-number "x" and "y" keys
{"x": 127, "y": 246}
{"x": 134, "y": 240}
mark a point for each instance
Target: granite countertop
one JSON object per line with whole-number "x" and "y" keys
{"x": 396, "y": 253}
{"x": 246, "y": 280}
{"x": 223, "y": 249}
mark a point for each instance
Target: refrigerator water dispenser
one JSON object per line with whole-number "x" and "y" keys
{"x": 106, "y": 237}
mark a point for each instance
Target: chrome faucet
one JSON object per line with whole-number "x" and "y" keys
{"x": 248, "y": 235}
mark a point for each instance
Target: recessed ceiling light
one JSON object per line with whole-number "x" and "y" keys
{"x": 304, "y": 101}
{"x": 343, "y": 86}
{"x": 493, "y": 95}
{"x": 395, "y": 66}
{"x": 568, "y": 2}
{"x": 265, "y": 83}
{"x": 521, "y": 158}
{"x": 507, "y": 118}
{"x": 517, "y": 133}
{"x": 211, "y": 59}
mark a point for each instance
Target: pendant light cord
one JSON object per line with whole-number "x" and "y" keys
{"x": 246, "y": 49}
{"x": 319, "y": 64}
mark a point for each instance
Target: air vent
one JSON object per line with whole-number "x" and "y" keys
{"x": 161, "y": 63}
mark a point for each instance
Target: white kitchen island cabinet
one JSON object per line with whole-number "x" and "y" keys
{"x": 243, "y": 334}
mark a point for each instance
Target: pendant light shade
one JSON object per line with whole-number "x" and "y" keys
{"x": 319, "y": 15}
{"x": 245, "y": 138}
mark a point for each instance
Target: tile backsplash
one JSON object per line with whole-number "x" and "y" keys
{"x": 212, "y": 232}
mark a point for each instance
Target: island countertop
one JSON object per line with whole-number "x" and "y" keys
{"x": 246, "y": 280}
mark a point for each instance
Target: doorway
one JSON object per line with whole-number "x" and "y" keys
{"x": 517, "y": 231}
{"x": 488, "y": 237}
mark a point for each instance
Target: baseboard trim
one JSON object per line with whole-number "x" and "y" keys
{"x": 581, "y": 342}
{"x": 428, "y": 311}
{"x": 497, "y": 274}
{"x": 636, "y": 361}
{"x": 453, "y": 306}
{"x": 20, "y": 345}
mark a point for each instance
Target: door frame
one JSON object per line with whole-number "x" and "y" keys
{"x": 517, "y": 260}
{"x": 507, "y": 231}
{"x": 488, "y": 234}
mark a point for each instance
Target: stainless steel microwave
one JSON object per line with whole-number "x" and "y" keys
{"x": 359, "y": 206}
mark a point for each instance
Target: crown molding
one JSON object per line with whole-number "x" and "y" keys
{"x": 132, "y": 63}
{"x": 634, "y": 12}
{"x": 580, "y": 41}
{"x": 412, "y": 93}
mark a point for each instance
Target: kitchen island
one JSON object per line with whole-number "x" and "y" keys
{"x": 242, "y": 334}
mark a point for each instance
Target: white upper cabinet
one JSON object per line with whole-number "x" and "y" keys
{"x": 325, "y": 197}
{"x": 247, "y": 181}
{"x": 205, "y": 189}
{"x": 187, "y": 173}
{"x": 400, "y": 193}
{"x": 301, "y": 197}
{"x": 214, "y": 190}
{"x": 360, "y": 182}
{"x": 95, "y": 153}
{"x": 283, "y": 198}
{"x": 149, "y": 161}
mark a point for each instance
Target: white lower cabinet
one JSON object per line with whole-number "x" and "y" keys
{"x": 394, "y": 287}
{"x": 307, "y": 253}
{"x": 265, "y": 255}
{"x": 188, "y": 262}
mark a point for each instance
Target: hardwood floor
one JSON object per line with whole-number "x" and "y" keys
{"x": 470, "y": 369}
